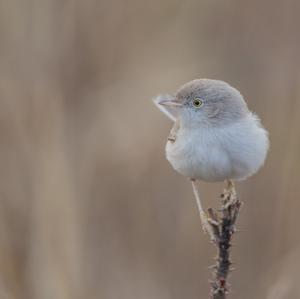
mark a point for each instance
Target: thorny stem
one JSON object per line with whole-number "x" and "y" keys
{"x": 221, "y": 227}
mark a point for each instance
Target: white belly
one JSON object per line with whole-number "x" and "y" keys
{"x": 234, "y": 152}
{"x": 197, "y": 158}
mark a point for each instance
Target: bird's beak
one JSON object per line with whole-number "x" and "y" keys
{"x": 169, "y": 103}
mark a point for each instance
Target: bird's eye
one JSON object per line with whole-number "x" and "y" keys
{"x": 197, "y": 102}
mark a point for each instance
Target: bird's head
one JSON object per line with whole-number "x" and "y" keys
{"x": 205, "y": 102}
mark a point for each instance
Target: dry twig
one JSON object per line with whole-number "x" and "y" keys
{"x": 221, "y": 226}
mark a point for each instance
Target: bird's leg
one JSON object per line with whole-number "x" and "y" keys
{"x": 203, "y": 215}
{"x": 229, "y": 186}
{"x": 229, "y": 195}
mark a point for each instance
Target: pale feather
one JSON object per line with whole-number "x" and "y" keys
{"x": 235, "y": 151}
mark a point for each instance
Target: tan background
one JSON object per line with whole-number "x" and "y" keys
{"x": 90, "y": 208}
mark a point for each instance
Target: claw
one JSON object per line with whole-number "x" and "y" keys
{"x": 204, "y": 221}
{"x": 229, "y": 188}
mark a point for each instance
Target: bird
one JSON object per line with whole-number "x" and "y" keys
{"x": 215, "y": 137}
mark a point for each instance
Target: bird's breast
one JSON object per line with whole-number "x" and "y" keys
{"x": 215, "y": 154}
{"x": 198, "y": 154}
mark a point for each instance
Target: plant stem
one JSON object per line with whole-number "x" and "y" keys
{"x": 221, "y": 226}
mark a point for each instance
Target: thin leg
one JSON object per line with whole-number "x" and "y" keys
{"x": 230, "y": 187}
{"x": 203, "y": 216}
{"x": 197, "y": 196}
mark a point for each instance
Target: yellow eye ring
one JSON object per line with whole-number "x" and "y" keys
{"x": 197, "y": 102}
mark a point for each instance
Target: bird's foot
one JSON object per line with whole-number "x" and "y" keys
{"x": 229, "y": 194}
{"x": 205, "y": 218}
{"x": 230, "y": 186}
{"x": 229, "y": 189}
{"x": 204, "y": 221}
{"x": 210, "y": 224}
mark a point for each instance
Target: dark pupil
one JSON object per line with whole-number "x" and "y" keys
{"x": 197, "y": 103}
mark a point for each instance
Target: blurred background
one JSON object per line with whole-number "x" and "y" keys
{"x": 90, "y": 208}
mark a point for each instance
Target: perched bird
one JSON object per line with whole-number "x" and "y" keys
{"x": 214, "y": 137}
